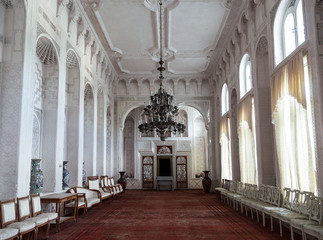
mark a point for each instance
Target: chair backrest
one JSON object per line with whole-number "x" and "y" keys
{"x": 227, "y": 184}
{"x": 112, "y": 181}
{"x": 276, "y": 196}
{"x": 23, "y": 208}
{"x": 104, "y": 181}
{"x": 93, "y": 182}
{"x": 268, "y": 194}
{"x": 240, "y": 187}
{"x": 305, "y": 204}
{"x": 296, "y": 200}
{"x": 35, "y": 205}
{"x": 262, "y": 193}
{"x": 316, "y": 209}
{"x": 8, "y": 212}
{"x": 254, "y": 192}
{"x": 233, "y": 186}
{"x": 246, "y": 192}
{"x": 287, "y": 198}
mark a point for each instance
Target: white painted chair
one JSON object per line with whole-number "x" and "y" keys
{"x": 225, "y": 185}
{"x": 314, "y": 228}
{"x": 25, "y": 216}
{"x": 93, "y": 197}
{"x": 305, "y": 209}
{"x": 104, "y": 180}
{"x": 94, "y": 184}
{"x": 119, "y": 186}
{"x": 37, "y": 212}
{"x": 290, "y": 208}
{"x": 8, "y": 233}
{"x": 9, "y": 219}
{"x": 81, "y": 203}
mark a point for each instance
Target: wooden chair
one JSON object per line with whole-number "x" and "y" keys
{"x": 92, "y": 197}
{"x": 8, "y": 233}
{"x": 80, "y": 202}
{"x": 24, "y": 215}
{"x": 94, "y": 184}
{"x": 37, "y": 212}
{"x": 105, "y": 183}
{"x": 9, "y": 219}
{"x": 117, "y": 186}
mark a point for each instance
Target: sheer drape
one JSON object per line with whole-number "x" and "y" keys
{"x": 247, "y": 146}
{"x": 226, "y": 167}
{"x": 294, "y": 129}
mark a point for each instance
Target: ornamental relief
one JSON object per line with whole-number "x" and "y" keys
{"x": 184, "y": 146}
{"x": 124, "y": 108}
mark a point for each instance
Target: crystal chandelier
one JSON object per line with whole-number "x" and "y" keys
{"x": 161, "y": 113}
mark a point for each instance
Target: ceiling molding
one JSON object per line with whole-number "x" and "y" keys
{"x": 203, "y": 50}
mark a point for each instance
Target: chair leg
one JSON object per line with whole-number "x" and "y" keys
{"x": 291, "y": 232}
{"x": 36, "y": 233}
{"x": 271, "y": 224}
{"x": 280, "y": 228}
{"x": 263, "y": 219}
{"x": 257, "y": 216}
{"x": 47, "y": 230}
{"x": 303, "y": 235}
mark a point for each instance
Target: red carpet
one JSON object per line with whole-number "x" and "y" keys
{"x": 187, "y": 214}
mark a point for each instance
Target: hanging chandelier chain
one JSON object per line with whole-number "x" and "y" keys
{"x": 160, "y": 114}
{"x": 160, "y": 30}
{"x": 161, "y": 62}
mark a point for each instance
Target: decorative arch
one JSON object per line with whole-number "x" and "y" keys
{"x": 46, "y": 102}
{"x": 46, "y": 49}
{"x": 72, "y": 117}
{"x": 88, "y": 146}
{"x": 203, "y": 110}
{"x": 72, "y": 59}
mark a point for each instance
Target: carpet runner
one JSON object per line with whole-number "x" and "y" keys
{"x": 187, "y": 214}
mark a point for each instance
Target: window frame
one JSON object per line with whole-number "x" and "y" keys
{"x": 224, "y": 99}
{"x": 243, "y": 81}
{"x": 282, "y": 13}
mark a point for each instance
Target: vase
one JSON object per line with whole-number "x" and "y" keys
{"x": 122, "y": 180}
{"x": 66, "y": 176}
{"x": 84, "y": 183}
{"x": 36, "y": 177}
{"x": 206, "y": 182}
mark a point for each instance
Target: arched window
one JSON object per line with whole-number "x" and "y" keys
{"x": 245, "y": 75}
{"x": 289, "y": 30}
{"x": 224, "y": 99}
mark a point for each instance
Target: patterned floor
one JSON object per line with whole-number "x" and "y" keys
{"x": 165, "y": 215}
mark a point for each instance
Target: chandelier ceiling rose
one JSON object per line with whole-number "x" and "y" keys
{"x": 161, "y": 115}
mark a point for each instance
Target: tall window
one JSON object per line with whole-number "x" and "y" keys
{"x": 245, "y": 76}
{"x": 226, "y": 163}
{"x": 246, "y": 125}
{"x": 294, "y": 127}
{"x": 289, "y": 30}
{"x": 224, "y": 99}
{"x": 247, "y": 141}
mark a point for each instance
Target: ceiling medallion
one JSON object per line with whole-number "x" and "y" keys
{"x": 161, "y": 113}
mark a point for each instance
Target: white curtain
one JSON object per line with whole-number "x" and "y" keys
{"x": 226, "y": 165}
{"x": 294, "y": 128}
{"x": 247, "y": 146}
